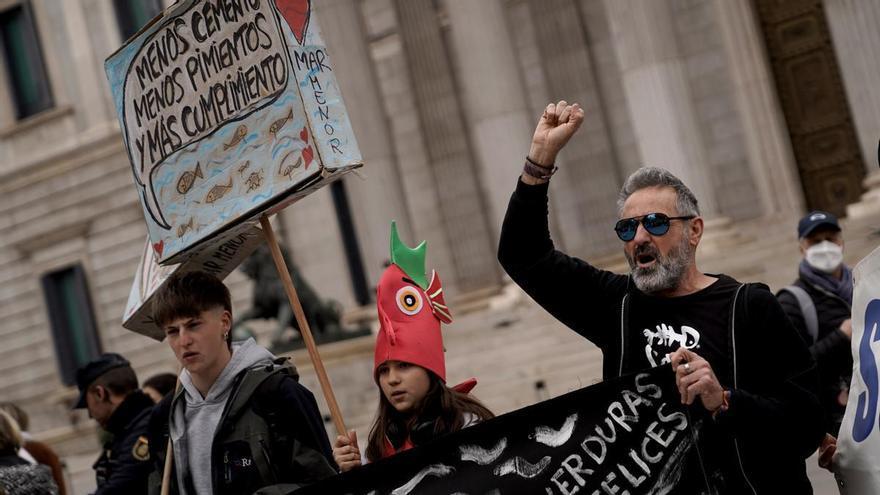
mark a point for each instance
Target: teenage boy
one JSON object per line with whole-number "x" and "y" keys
{"x": 240, "y": 421}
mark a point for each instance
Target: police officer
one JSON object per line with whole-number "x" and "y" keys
{"x": 108, "y": 387}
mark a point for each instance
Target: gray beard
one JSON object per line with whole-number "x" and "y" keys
{"x": 666, "y": 273}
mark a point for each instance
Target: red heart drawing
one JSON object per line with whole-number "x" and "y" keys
{"x": 308, "y": 155}
{"x": 159, "y": 247}
{"x": 304, "y": 135}
{"x": 296, "y": 13}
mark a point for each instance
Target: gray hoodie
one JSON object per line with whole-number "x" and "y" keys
{"x": 193, "y": 431}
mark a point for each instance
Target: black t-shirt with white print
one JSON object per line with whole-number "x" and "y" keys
{"x": 699, "y": 322}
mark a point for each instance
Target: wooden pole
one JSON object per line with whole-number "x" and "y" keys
{"x": 169, "y": 451}
{"x": 304, "y": 330}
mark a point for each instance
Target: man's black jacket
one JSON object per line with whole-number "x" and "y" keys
{"x": 774, "y": 422}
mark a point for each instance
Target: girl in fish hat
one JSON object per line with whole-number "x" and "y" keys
{"x": 415, "y": 404}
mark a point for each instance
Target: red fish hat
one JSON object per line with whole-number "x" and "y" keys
{"x": 410, "y": 311}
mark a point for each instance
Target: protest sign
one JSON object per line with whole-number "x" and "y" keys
{"x": 857, "y": 462}
{"x": 228, "y": 110}
{"x": 218, "y": 259}
{"x": 627, "y": 435}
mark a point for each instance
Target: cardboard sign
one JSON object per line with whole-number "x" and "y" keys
{"x": 228, "y": 110}
{"x": 218, "y": 259}
{"x": 628, "y": 435}
{"x": 857, "y": 462}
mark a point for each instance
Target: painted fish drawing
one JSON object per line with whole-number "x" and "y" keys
{"x": 436, "y": 470}
{"x": 287, "y": 170}
{"x": 188, "y": 178}
{"x": 278, "y": 124}
{"x": 185, "y": 227}
{"x": 522, "y": 467}
{"x": 244, "y": 166}
{"x": 552, "y": 437}
{"x": 481, "y": 456}
{"x": 239, "y": 135}
{"x": 218, "y": 191}
{"x": 254, "y": 181}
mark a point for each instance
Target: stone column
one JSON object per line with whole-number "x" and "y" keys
{"x": 771, "y": 160}
{"x": 86, "y": 85}
{"x": 658, "y": 94}
{"x": 856, "y": 40}
{"x": 584, "y": 196}
{"x": 460, "y": 195}
{"x": 495, "y": 104}
{"x": 380, "y": 198}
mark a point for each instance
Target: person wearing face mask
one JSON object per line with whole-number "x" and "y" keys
{"x": 818, "y": 304}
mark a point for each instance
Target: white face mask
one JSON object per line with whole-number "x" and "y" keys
{"x": 825, "y": 256}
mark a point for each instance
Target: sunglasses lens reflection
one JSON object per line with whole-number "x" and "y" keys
{"x": 654, "y": 223}
{"x": 626, "y": 229}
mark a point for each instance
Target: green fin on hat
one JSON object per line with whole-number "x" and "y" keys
{"x": 411, "y": 261}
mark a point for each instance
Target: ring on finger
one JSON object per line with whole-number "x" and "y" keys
{"x": 687, "y": 368}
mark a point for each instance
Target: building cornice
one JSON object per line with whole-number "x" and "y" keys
{"x": 35, "y": 121}
{"x": 63, "y": 160}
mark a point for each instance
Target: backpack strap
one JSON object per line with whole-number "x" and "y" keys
{"x": 265, "y": 405}
{"x": 252, "y": 382}
{"x": 808, "y": 310}
{"x": 254, "y": 397}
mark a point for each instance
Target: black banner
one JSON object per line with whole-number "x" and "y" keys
{"x": 628, "y": 435}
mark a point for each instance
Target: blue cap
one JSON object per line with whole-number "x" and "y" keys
{"x": 87, "y": 374}
{"x": 814, "y": 220}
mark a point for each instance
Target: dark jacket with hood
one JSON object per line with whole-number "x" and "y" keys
{"x": 268, "y": 436}
{"x": 124, "y": 465}
{"x": 831, "y": 348}
{"x": 774, "y": 421}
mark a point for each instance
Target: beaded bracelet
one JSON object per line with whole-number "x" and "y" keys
{"x": 532, "y": 169}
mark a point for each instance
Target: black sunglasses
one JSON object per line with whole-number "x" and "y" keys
{"x": 654, "y": 223}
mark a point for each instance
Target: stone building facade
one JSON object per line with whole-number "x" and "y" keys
{"x": 765, "y": 108}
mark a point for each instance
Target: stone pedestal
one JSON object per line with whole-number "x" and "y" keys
{"x": 869, "y": 204}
